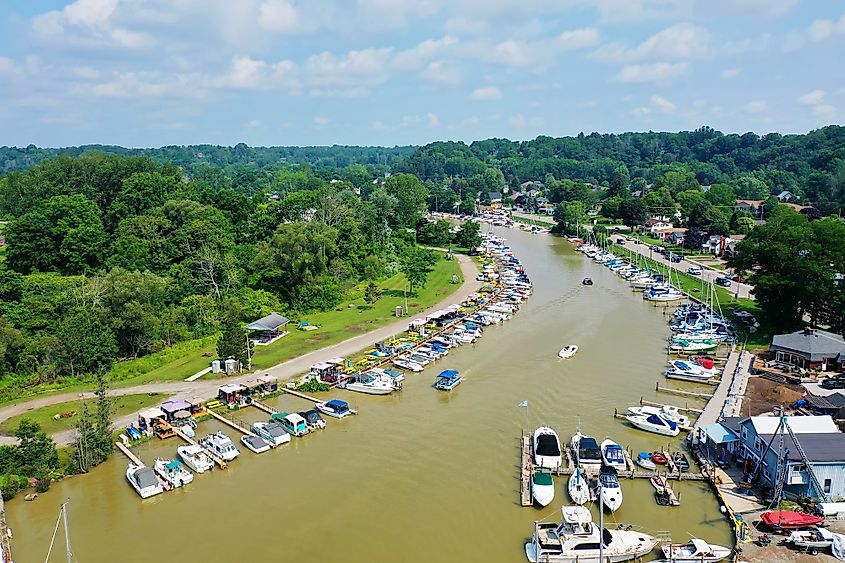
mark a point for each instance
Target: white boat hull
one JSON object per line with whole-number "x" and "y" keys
{"x": 567, "y": 352}
{"x": 578, "y": 488}
{"x": 611, "y": 498}
{"x": 543, "y": 494}
{"x": 368, "y": 390}
{"x": 642, "y": 424}
{"x": 198, "y": 462}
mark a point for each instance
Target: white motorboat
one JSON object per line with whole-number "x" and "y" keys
{"x": 406, "y": 364}
{"x": 663, "y": 295}
{"x": 334, "y": 408}
{"x": 371, "y": 385}
{"x": 172, "y": 471}
{"x": 812, "y": 540}
{"x": 610, "y": 491}
{"x": 195, "y": 457}
{"x": 586, "y": 450}
{"x": 694, "y": 551}
{"x": 542, "y": 488}
{"x": 255, "y": 444}
{"x": 654, "y": 423}
{"x": 644, "y": 461}
{"x": 666, "y": 411}
{"x": 691, "y": 370}
{"x": 680, "y": 345}
{"x": 220, "y": 445}
{"x": 578, "y": 487}
{"x": 273, "y": 433}
{"x": 547, "y": 452}
{"x": 576, "y": 539}
{"x": 144, "y": 480}
{"x": 568, "y": 351}
{"x": 613, "y": 455}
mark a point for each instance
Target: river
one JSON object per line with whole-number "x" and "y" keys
{"x": 419, "y": 476}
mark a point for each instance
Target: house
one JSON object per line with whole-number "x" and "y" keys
{"x": 716, "y": 244}
{"x": 784, "y": 196}
{"x": 638, "y": 193}
{"x": 763, "y": 441}
{"x": 730, "y": 245}
{"x": 495, "y": 197}
{"x": 810, "y": 349}
{"x": 719, "y": 442}
{"x": 753, "y": 206}
{"x": 796, "y": 207}
{"x": 674, "y": 235}
{"x": 654, "y": 225}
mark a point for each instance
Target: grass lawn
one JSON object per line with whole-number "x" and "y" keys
{"x": 44, "y": 416}
{"x": 336, "y": 326}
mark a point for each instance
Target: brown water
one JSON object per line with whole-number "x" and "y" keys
{"x": 417, "y": 477}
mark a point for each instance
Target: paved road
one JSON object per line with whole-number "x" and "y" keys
{"x": 742, "y": 290}
{"x": 202, "y": 390}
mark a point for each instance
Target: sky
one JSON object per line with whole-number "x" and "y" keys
{"x": 147, "y": 73}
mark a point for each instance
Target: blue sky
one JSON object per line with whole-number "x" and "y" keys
{"x": 294, "y": 72}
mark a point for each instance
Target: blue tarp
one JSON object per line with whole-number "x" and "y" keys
{"x": 337, "y": 405}
{"x": 718, "y": 434}
{"x": 448, "y": 373}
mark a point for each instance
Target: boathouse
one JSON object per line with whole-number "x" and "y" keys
{"x": 267, "y": 330}
{"x": 810, "y": 349}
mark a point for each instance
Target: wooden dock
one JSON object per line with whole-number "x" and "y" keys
{"x": 525, "y": 471}
{"x": 713, "y": 382}
{"x": 671, "y": 391}
{"x": 219, "y": 461}
{"x": 261, "y": 406}
{"x": 237, "y": 425}
{"x": 137, "y": 461}
{"x": 301, "y": 395}
{"x": 685, "y": 408}
{"x": 5, "y": 535}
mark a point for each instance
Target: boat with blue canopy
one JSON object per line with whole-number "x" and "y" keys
{"x": 447, "y": 380}
{"x": 335, "y": 408}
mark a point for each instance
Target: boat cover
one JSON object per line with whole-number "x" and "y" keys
{"x": 146, "y": 477}
{"x": 614, "y": 453}
{"x": 547, "y": 445}
{"x": 789, "y": 519}
{"x": 659, "y": 421}
{"x": 608, "y": 478}
{"x": 706, "y": 363}
{"x": 338, "y": 406}
{"x": 588, "y": 449}
{"x": 450, "y": 373}
{"x": 173, "y": 464}
{"x": 541, "y": 478}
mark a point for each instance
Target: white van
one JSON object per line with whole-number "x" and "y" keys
{"x": 694, "y": 271}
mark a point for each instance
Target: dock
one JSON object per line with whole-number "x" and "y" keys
{"x": 713, "y": 382}
{"x": 220, "y": 463}
{"x": 681, "y": 392}
{"x": 237, "y": 425}
{"x": 261, "y": 406}
{"x": 525, "y": 471}
{"x": 727, "y": 399}
{"x": 685, "y": 408}
{"x": 301, "y": 395}
{"x": 137, "y": 461}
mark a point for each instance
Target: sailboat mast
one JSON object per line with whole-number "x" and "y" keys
{"x": 601, "y": 523}
{"x": 68, "y": 552}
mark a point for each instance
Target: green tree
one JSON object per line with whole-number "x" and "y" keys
{"x": 469, "y": 236}
{"x": 410, "y": 194}
{"x": 417, "y": 263}
{"x": 467, "y": 206}
{"x": 721, "y": 195}
{"x": 437, "y": 233}
{"x": 688, "y": 200}
{"x": 660, "y": 202}
{"x": 233, "y": 341}
{"x": 677, "y": 181}
{"x": 36, "y": 451}
{"x": 633, "y": 211}
{"x": 371, "y": 294}
{"x": 619, "y": 183}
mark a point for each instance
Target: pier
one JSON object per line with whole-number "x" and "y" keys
{"x": 727, "y": 399}
{"x": 686, "y": 409}
{"x": 137, "y": 461}
{"x": 237, "y": 425}
{"x": 671, "y": 391}
{"x": 5, "y": 544}
{"x": 263, "y": 407}
{"x": 525, "y": 471}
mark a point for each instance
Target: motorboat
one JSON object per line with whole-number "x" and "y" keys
{"x": 172, "y": 471}
{"x": 613, "y": 455}
{"x": 144, "y": 480}
{"x": 666, "y": 411}
{"x": 659, "y": 458}
{"x": 447, "y": 380}
{"x": 611, "y": 492}
{"x": 654, "y": 423}
{"x": 313, "y": 418}
{"x": 194, "y": 456}
{"x": 812, "y": 540}
{"x": 587, "y": 281}
{"x": 789, "y": 519}
{"x": 403, "y": 363}
{"x": 542, "y": 488}
{"x": 577, "y": 539}
{"x": 578, "y": 487}
{"x": 220, "y": 445}
{"x": 547, "y": 452}
{"x": 644, "y": 461}
{"x": 694, "y": 551}
{"x": 255, "y": 444}
{"x": 293, "y": 423}
{"x": 372, "y": 385}
{"x": 691, "y": 370}
{"x": 271, "y": 432}
{"x": 334, "y": 408}
{"x": 568, "y": 351}
{"x": 586, "y": 450}
{"x": 681, "y": 345}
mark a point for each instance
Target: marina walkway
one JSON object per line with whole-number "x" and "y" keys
{"x": 727, "y": 398}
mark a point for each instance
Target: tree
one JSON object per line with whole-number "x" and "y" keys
{"x": 371, "y": 294}
{"x": 660, "y": 202}
{"x": 36, "y": 451}
{"x": 233, "y": 341}
{"x": 677, "y": 181}
{"x": 437, "y": 233}
{"x": 633, "y": 211}
{"x": 410, "y": 194}
{"x": 619, "y": 183}
{"x": 709, "y": 219}
{"x": 469, "y": 236}
{"x": 417, "y": 263}
{"x": 688, "y": 200}
{"x": 467, "y": 206}
{"x": 721, "y": 195}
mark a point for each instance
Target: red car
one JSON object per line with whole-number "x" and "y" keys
{"x": 738, "y": 278}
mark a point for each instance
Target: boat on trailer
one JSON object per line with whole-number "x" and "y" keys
{"x": 789, "y": 519}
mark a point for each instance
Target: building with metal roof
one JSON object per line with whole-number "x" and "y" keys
{"x": 810, "y": 349}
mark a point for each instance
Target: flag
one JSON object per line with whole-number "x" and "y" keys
{"x": 523, "y": 404}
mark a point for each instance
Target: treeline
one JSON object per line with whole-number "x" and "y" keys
{"x": 111, "y": 257}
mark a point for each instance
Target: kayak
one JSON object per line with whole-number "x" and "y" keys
{"x": 789, "y": 519}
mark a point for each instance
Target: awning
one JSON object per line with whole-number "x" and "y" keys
{"x": 151, "y": 413}
{"x": 321, "y": 366}
{"x": 718, "y": 434}
{"x": 265, "y": 379}
{"x": 173, "y": 406}
{"x": 230, "y": 388}
{"x": 273, "y": 321}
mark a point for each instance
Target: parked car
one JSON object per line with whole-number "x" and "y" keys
{"x": 620, "y": 241}
{"x": 657, "y": 248}
{"x": 738, "y": 278}
{"x": 837, "y": 382}
{"x": 694, "y": 271}
{"x": 724, "y": 281}
{"x": 675, "y": 257}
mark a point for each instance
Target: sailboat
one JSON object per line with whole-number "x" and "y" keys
{"x": 61, "y": 519}
{"x": 578, "y": 487}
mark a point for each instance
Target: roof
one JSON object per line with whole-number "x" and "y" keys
{"x": 756, "y": 202}
{"x": 671, "y": 230}
{"x": 173, "y": 406}
{"x": 815, "y": 344}
{"x": 718, "y": 434}
{"x": 232, "y": 388}
{"x": 820, "y": 448}
{"x": 151, "y": 413}
{"x": 272, "y": 321}
{"x": 799, "y": 424}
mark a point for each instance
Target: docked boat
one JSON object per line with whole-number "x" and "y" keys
{"x": 789, "y": 519}
{"x": 293, "y": 423}
{"x": 663, "y": 295}
{"x": 611, "y": 492}
{"x": 681, "y": 345}
{"x": 587, "y": 281}
{"x": 812, "y": 540}
{"x": 586, "y": 450}
{"x": 371, "y": 385}
{"x": 144, "y": 480}
{"x": 172, "y": 471}
{"x": 568, "y": 351}
{"x": 447, "y": 380}
{"x": 220, "y": 445}
{"x": 644, "y": 461}
{"x": 547, "y": 452}
{"x": 578, "y": 487}
{"x": 271, "y": 432}
{"x": 195, "y": 457}
{"x": 694, "y": 551}
{"x": 407, "y": 364}
{"x": 654, "y": 423}
{"x": 576, "y": 539}
{"x": 334, "y": 408}
{"x": 659, "y": 458}
{"x": 666, "y": 411}
{"x": 612, "y": 455}
{"x": 690, "y": 370}
{"x": 542, "y": 488}
{"x": 255, "y": 444}
{"x": 313, "y": 418}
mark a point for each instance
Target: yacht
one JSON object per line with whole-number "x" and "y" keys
{"x": 689, "y": 370}
{"x": 547, "y": 453}
{"x": 654, "y": 423}
{"x": 173, "y": 472}
{"x": 612, "y": 455}
{"x": 694, "y": 551}
{"x": 542, "y": 488}
{"x": 577, "y": 539}
{"x": 220, "y": 445}
{"x": 271, "y": 432}
{"x": 194, "y": 456}
{"x": 407, "y": 364}
{"x": 371, "y": 385}
{"x": 144, "y": 480}
{"x": 666, "y": 411}
{"x": 334, "y": 408}
{"x": 611, "y": 492}
{"x": 586, "y": 450}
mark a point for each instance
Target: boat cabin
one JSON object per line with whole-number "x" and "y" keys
{"x": 338, "y": 407}
{"x": 293, "y": 423}
{"x": 588, "y": 450}
{"x": 232, "y": 394}
{"x": 447, "y": 380}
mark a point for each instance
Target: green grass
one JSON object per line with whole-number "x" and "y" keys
{"x": 336, "y": 326}
{"x": 44, "y": 416}
{"x": 175, "y": 362}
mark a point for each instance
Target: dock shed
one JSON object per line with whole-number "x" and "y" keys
{"x": 232, "y": 393}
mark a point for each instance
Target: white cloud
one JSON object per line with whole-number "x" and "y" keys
{"x": 640, "y": 112}
{"x": 731, "y": 72}
{"x": 510, "y": 53}
{"x": 321, "y": 121}
{"x": 824, "y": 110}
{"x": 278, "y": 15}
{"x": 433, "y": 120}
{"x": 813, "y": 98}
{"x": 579, "y": 38}
{"x": 130, "y": 85}
{"x": 254, "y": 124}
{"x": 486, "y": 93}
{"x": 680, "y": 41}
{"x": 424, "y": 52}
{"x": 663, "y": 104}
{"x": 650, "y": 72}
{"x": 820, "y": 30}
{"x": 465, "y": 26}
{"x": 441, "y": 72}
{"x": 756, "y": 106}
{"x": 89, "y": 23}
{"x": 351, "y": 69}
{"x": 244, "y": 73}
{"x": 8, "y": 66}
{"x": 470, "y": 121}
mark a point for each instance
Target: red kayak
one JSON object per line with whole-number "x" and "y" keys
{"x": 659, "y": 458}
{"x": 789, "y": 519}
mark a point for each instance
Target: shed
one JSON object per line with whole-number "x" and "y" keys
{"x": 267, "y": 384}
{"x": 151, "y": 414}
{"x": 231, "y": 392}
{"x": 170, "y": 408}
{"x": 268, "y": 329}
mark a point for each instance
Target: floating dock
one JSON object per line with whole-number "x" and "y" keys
{"x": 681, "y": 392}
{"x": 237, "y": 425}
{"x": 525, "y": 471}
{"x": 261, "y": 406}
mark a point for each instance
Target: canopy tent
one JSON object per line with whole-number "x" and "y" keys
{"x": 272, "y": 322}
{"x": 171, "y": 407}
{"x": 230, "y": 388}
{"x": 152, "y": 413}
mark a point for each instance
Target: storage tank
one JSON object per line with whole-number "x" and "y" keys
{"x": 232, "y": 366}
{"x": 216, "y": 367}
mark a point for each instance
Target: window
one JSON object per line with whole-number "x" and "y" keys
{"x": 798, "y": 468}
{"x": 827, "y": 486}
{"x": 758, "y": 444}
{"x": 744, "y": 433}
